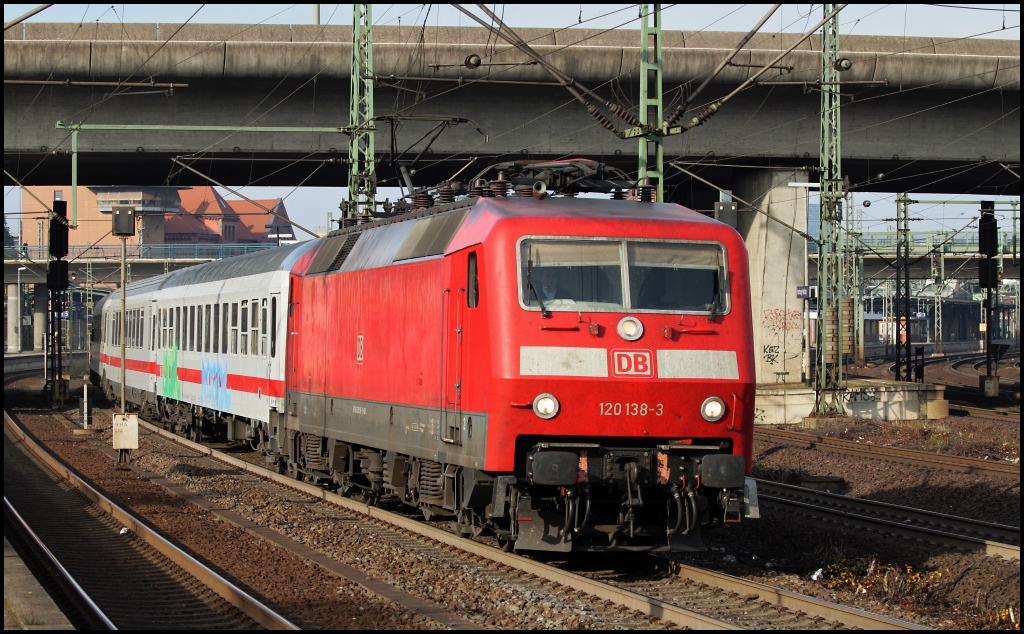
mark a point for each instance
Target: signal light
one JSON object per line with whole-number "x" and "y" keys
{"x": 59, "y": 229}
{"x": 988, "y": 273}
{"x": 57, "y": 275}
{"x": 937, "y": 267}
{"x": 988, "y": 229}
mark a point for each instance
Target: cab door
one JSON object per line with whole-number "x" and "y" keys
{"x": 453, "y": 313}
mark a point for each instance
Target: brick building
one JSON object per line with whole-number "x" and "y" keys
{"x": 165, "y": 215}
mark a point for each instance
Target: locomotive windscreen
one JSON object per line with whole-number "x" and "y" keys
{"x": 615, "y": 275}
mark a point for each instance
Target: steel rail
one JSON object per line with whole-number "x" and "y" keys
{"x": 635, "y": 601}
{"x": 890, "y": 518}
{"x": 893, "y": 454}
{"x": 67, "y": 583}
{"x": 231, "y": 593}
{"x": 792, "y": 600}
{"x": 991, "y": 414}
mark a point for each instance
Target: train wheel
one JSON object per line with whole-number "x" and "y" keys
{"x": 506, "y": 544}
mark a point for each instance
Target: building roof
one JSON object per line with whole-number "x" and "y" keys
{"x": 257, "y": 220}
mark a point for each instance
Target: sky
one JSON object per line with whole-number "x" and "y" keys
{"x": 309, "y": 206}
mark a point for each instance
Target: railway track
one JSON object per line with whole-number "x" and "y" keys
{"x": 946, "y": 530}
{"x": 117, "y": 571}
{"x": 987, "y": 414}
{"x": 682, "y": 604}
{"x": 733, "y": 602}
{"x": 893, "y": 454}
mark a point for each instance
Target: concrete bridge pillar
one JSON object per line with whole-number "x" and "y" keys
{"x": 778, "y": 264}
{"x": 39, "y": 319}
{"x": 13, "y": 335}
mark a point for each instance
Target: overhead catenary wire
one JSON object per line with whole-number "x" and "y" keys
{"x": 552, "y": 111}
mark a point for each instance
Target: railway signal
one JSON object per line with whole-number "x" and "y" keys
{"x": 938, "y": 267}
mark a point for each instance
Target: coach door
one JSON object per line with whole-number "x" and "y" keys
{"x": 154, "y": 347}
{"x": 268, "y": 342}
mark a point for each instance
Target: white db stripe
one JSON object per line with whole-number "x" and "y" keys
{"x": 697, "y": 364}
{"x": 553, "y": 361}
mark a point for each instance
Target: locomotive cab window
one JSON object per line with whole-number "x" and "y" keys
{"x": 571, "y": 274}
{"x": 472, "y": 282}
{"x": 616, "y": 275}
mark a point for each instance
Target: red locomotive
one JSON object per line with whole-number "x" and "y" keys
{"x": 567, "y": 373}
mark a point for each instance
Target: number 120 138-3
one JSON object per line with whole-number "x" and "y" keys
{"x": 631, "y": 409}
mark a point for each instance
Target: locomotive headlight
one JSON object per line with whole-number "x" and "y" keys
{"x": 545, "y": 406}
{"x": 713, "y": 409}
{"x": 630, "y": 328}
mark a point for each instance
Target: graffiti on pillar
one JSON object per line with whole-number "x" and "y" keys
{"x": 780, "y": 341}
{"x": 759, "y": 414}
{"x": 778, "y": 319}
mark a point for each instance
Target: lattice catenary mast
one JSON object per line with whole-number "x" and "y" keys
{"x": 828, "y": 375}
{"x": 362, "y": 178}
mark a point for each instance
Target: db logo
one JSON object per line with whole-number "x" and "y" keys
{"x": 632, "y": 363}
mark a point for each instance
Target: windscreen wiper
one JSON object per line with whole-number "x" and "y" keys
{"x": 714, "y": 301}
{"x": 544, "y": 312}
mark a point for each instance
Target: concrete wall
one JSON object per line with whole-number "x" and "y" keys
{"x": 873, "y": 400}
{"x": 778, "y": 258}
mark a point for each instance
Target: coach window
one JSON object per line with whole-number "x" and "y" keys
{"x": 472, "y": 283}
{"x": 243, "y": 347}
{"x": 191, "y": 327}
{"x": 206, "y": 330}
{"x": 224, "y": 329}
{"x": 273, "y": 327}
{"x": 254, "y": 333}
{"x": 216, "y": 328}
{"x": 234, "y": 328}
{"x": 177, "y": 327}
{"x": 263, "y": 327}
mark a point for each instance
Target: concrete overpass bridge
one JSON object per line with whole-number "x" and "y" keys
{"x": 923, "y": 113}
